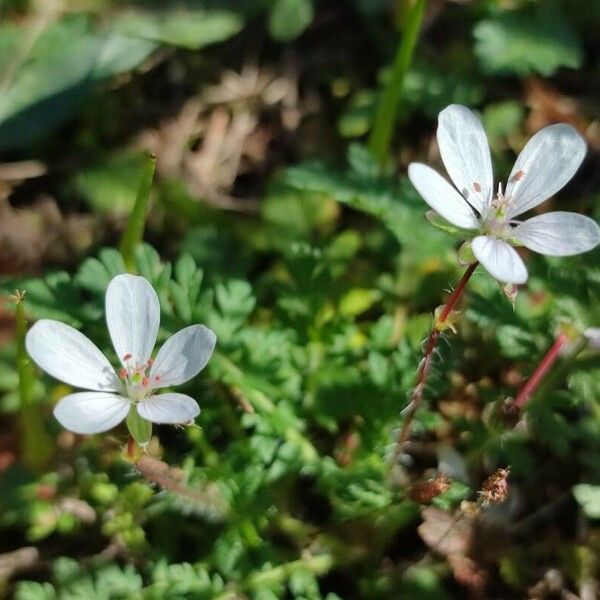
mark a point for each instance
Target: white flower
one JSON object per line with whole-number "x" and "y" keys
{"x": 132, "y": 316}
{"x": 548, "y": 161}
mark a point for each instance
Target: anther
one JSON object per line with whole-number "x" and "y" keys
{"x": 157, "y": 378}
{"x": 127, "y": 356}
{"x": 145, "y": 381}
{"x": 477, "y": 186}
{"x": 518, "y": 175}
{"x": 123, "y": 373}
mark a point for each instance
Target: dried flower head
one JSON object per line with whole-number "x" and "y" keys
{"x": 425, "y": 491}
{"x": 495, "y": 487}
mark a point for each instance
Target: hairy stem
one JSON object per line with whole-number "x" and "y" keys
{"x": 425, "y": 365}
{"x": 544, "y": 366}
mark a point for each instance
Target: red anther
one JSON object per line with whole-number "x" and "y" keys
{"x": 127, "y": 356}
{"x": 518, "y": 175}
{"x": 145, "y": 381}
{"x": 123, "y": 373}
{"x": 476, "y": 186}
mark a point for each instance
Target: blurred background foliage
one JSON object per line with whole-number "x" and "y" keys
{"x": 280, "y": 219}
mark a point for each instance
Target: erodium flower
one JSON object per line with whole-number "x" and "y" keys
{"x": 548, "y": 161}
{"x": 132, "y": 316}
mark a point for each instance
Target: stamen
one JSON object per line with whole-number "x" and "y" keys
{"x": 123, "y": 373}
{"x": 145, "y": 381}
{"x": 150, "y": 362}
{"x": 476, "y": 186}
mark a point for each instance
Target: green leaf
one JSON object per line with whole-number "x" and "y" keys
{"x": 358, "y": 300}
{"x": 95, "y": 273}
{"x": 32, "y": 590}
{"x": 289, "y": 18}
{"x": 186, "y": 290}
{"x": 517, "y": 342}
{"x": 191, "y": 29}
{"x": 588, "y": 497}
{"x": 526, "y": 42}
{"x": 119, "y": 54}
{"x": 48, "y": 82}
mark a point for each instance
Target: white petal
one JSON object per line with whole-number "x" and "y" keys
{"x": 182, "y": 356}
{"x": 169, "y": 408}
{"x": 548, "y": 161}
{"x": 91, "y": 412}
{"x": 558, "y": 233}
{"x": 133, "y": 317}
{"x": 441, "y": 196}
{"x": 466, "y": 154}
{"x": 500, "y": 260}
{"x": 70, "y": 356}
{"x": 593, "y": 336}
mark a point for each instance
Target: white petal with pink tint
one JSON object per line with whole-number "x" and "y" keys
{"x": 466, "y": 155}
{"x": 169, "y": 408}
{"x": 558, "y": 233}
{"x": 70, "y": 356}
{"x": 133, "y": 317}
{"x": 182, "y": 356}
{"x": 548, "y": 161}
{"x": 499, "y": 259}
{"x": 91, "y": 412}
{"x": 441, "y": 196}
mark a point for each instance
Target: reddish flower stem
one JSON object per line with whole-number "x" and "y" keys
{"x": 425, "y": 365}
{"x": 541, "y": 370}
{"x": 131, "y": 448}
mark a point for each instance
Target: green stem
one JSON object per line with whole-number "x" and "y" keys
{"x": 387, "y": 111}
{"x": 134, "y": 231}
{"x": 36, "y": 446}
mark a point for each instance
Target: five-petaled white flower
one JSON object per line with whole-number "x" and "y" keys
{"x": 548, "y": 161}
{"x": 132, "y": 316}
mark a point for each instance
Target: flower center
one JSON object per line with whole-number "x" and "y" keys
{"x": 496, "y": 223}
{"x": 135, "y": 380}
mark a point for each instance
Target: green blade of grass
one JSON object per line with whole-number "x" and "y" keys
{"x": 387, "y": 110}
{"x": 134, "y": 231}
{"x": 36, "y": 445}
